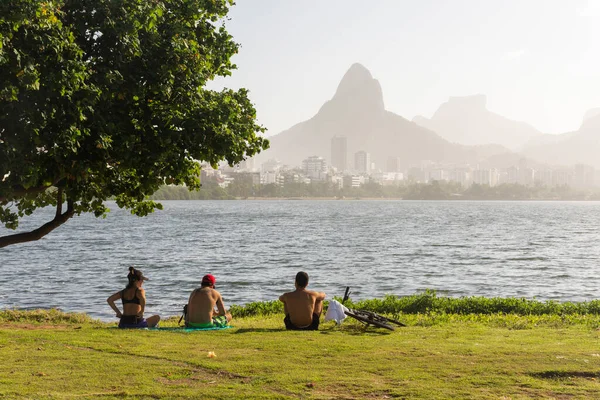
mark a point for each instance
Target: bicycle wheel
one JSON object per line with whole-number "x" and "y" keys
{"x": 381, "y": 318}
{"x": 393, "y": 321}
{"x": 369, "y": 319}
{"x": 373, "y": 316}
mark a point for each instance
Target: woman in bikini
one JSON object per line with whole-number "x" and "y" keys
{"x": 134, "y": 302}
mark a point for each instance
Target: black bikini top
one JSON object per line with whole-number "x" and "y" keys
{"x": 135, "y": 299}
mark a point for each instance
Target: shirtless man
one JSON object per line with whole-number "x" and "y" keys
{"x": 201, "y": 306}
{"x": 302, "y": 307}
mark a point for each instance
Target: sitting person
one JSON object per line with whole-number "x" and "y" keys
{"x": 134, "y": 302}
{"x": 302, "y": 307}
{"x": 201, "y": 306}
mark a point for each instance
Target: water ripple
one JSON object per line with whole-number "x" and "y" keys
{"x": 546, "y": 250}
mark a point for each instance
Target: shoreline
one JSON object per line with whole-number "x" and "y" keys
{"x": 424, "y": 303}
{"x": 319, "y": 198}
{"x": 454, "y": 199}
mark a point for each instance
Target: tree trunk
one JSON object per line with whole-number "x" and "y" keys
{"x": 59, "y": 219}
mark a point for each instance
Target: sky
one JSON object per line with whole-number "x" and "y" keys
{"x": 538, "y": 61}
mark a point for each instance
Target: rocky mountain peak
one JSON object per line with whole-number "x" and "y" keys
{"x": 591, "y": 123}
{"x": 593, "y": 113}
{"x": 466, "y": 120}
{"x": 475, "y": 102}
{"x": 358, "y": 88}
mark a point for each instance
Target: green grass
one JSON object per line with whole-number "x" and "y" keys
{"x": 439, "y": 355}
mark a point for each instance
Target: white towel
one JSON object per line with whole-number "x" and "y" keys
{"x": 335, "y": 312}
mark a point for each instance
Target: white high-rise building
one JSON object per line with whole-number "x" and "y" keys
{"x": 482, "y": 177}
{"x": 461, "y": 175}
{"x": 526, "y": 176}
{"x": 512, "y": 175}
{"x": 270, "y": 165}
{"x": 438, "y": 174}
{"x": 246, "y": 165}
{"x": 545, "y": 177}
{"x": 339, "y": 153}
{"x": 494, "y": 177}
{"x": 393, "y": 164}
{"x": 268, "y": 177}
{"x": 562, "y": 177}
{"x": 362, "y": 162}
{"x": 315, "y": 167}
{"x": 583, "y": 176}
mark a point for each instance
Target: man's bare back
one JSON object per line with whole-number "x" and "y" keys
{"x": 302, "y": 307}
{"x": 301, "y": 304}
{"x": 201, "y": 305}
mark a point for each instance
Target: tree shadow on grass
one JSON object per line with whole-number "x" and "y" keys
{"x": 348, "y": 330}
{"x": 258, "y": 330}
{"x": 553, "y": 374}
{"x": 356, "y": 330}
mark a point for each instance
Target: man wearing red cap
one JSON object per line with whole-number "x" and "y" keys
{"x": 201, "y": 306}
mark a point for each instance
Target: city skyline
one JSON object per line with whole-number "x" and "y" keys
{"x": 316, "y": 168}
{"x": 463, "y": 130}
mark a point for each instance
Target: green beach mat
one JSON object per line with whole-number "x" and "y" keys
{"x": 175, "y": 328}
{"x": 184, "y": 329}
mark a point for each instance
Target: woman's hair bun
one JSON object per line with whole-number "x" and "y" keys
{"x": 131, "y": 270}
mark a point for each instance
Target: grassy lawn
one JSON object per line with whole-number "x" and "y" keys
{"x": 454, "y": 357}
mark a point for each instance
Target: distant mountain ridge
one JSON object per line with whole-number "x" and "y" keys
{"x": 594, "y": 112}
{"x": 578, "y": 147}
{"x": 357, "y": 112}
{"x": 466, "y": 120}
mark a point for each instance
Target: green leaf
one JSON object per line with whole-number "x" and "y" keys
{"x": 75, "y": 93}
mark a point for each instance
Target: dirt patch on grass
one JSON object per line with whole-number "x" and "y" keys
{"x": 531, "y": 393}
{"x": 198, "y": 378}
{"x": 592, "y": 375}
{"x": 366, "y": 390}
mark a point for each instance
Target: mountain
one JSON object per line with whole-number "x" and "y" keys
{"x": 594, "y": 112}
{"x": 466, "y": 120}
{"x": 357, "y": 112}
{"x": 578, "y": 147}
{"x": 547, "y": 139}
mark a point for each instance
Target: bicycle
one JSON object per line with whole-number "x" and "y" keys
{"x": 369, "y": 317}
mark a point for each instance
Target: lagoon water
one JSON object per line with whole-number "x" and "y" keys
{"x": 546, "y": 250}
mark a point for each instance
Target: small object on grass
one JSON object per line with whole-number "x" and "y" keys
{"x": 211, "y": 354}
{"x": 310, "y": 385}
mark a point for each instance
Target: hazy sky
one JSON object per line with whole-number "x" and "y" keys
{"x": 536, "y": 60}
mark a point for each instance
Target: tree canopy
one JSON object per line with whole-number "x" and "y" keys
{"x": 106, "y": 99}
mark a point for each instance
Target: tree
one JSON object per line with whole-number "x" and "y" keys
{"x": 105, "y": 99}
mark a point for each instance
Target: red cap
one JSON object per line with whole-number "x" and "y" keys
{"x": 208, "y": 280}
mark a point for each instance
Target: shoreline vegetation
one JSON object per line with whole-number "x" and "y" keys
{"x": 436, "y": 190}
{"x": 470, "y": 347}
{"x": 426, "y": 303}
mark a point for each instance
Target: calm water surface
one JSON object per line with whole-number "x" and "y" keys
{"x": 548, "y": 250}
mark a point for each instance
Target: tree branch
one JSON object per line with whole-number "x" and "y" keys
{"x": 20, "y": 191}
{"x": 59, "y": 202}
{"x": 43, "y": 230}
